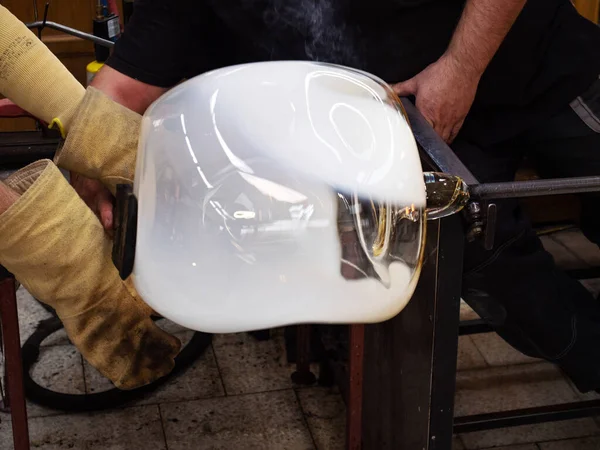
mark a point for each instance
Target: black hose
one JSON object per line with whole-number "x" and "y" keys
{"x": 100, "y": 400}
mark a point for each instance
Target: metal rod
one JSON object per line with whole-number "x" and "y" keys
{"x": 303, "y": 374}
{"x": 46, "y": 9}
{"x": 13, "y": 363}
{"x": 434, "y": 146}
{"x": 535, "y": 188}
{"x": 355, "y": 387}
{"x": 72, "y": 32}
{"x": 445, "y": 318}
{"x": 23, "y": 147}
{"x": 526, "y": 416}
{"x": 446, "y": 161}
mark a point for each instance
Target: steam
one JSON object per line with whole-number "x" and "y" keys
{"x": 327, "y": 37}
{"x": 318, "y": 30}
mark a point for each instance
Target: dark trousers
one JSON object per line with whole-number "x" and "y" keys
{"x": 517, "y": 287}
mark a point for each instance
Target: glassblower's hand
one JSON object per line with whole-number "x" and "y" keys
{"x": 97, "y": 197}
{"x": 444, "y": 94}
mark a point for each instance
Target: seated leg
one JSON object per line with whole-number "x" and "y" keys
{"x": 517, "y": 287}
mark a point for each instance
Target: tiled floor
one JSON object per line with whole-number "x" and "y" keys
{"x": 239, "y": 395}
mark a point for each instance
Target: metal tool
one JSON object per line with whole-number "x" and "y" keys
{"x": 481, "y": 212}
{"x": 39, "y": 25}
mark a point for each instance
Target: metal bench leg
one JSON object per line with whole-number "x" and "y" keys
{"x": 13, "y": 363}
{"x": 303, "y": 375}
{"x": 355, "y": 388}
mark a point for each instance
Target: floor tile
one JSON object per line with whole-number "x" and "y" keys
{"x": 469, "y": 356}
{"x": 466, "y": 312}
{"x": 248, "y": 365}
{"x": 325, "y": 413}
{"x": 517, "y": 447}
{"x": 587, "y": 396}
{"x": 592, "y": 285}
{"x": 529, "y": 433}
{"x": 201, "y": 380}
{"x": 577, "y": 243}
{"x": 94, "y": 381}
{"x": 563, "y": 256}
{"x": 171, "y": 327}
{"x": 270, "y": 420}
{"x": 513, "y": 387}
{"x": 58, "y": 338}
{"x": 505, "y": 388}
{"x": 128, "y": 429}
{"x": 497, "y": 352}
{"x": 30, "y": 313}
{"x": 59, "y": 368}
{"x": 457, "y": 443}
{"x": 592, "y": 443}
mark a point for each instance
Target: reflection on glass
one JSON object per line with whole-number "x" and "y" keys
{"x": 373, "y": 236}
{"x": 446, "y": 194}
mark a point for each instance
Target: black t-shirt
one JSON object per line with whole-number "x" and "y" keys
{"x": 550, "y": 56}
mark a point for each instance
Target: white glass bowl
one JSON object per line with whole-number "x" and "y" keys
{"x": 278, "y": 193}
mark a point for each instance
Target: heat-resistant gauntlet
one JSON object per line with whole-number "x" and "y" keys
{"x": 33, "y": 77}
{"x": 100, "y": 135}
{"x": 101, "y": 141}
{"x": 51, "y": 240}
{"x": 55, "y": 246}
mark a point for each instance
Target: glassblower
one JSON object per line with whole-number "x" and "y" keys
{"x": 250, "y": 197}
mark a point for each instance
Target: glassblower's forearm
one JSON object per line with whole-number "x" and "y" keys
{"x": 33, "y": 77}
{"x": 131, "y": 93}
{"x": 482, "y": 28}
